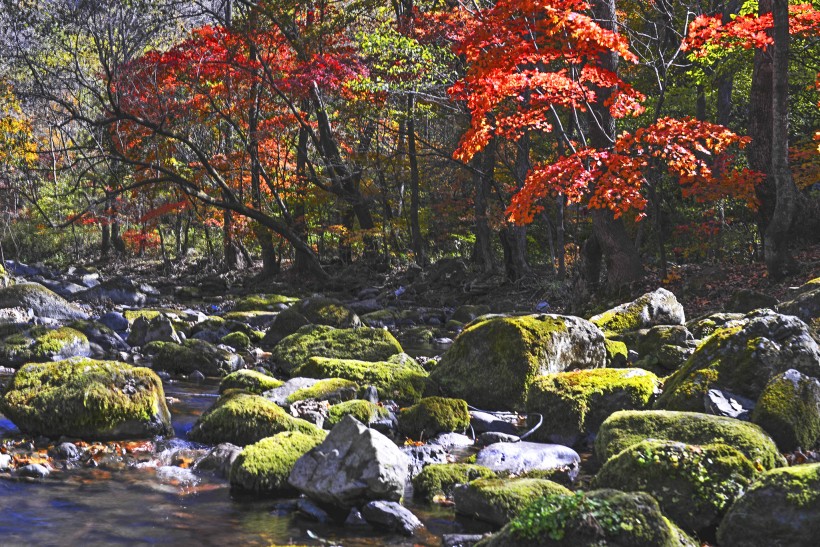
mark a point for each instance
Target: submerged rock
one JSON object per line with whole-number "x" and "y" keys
{"x": 391, "y": 516}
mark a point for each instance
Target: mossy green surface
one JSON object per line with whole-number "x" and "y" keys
{"x": 616, "y": 353}
{"x": 780, "y": 509}
{"x": 237, "y": 340}
{"x": 192, "y": 355}
{"x": 364, "y": 411}
{"x": 694, "y": 485}
{"x": 264, "y": 467}
{"x": 626, "y": 428}
{"x": 251, "y": 381}
{"x": 591, "y": 519}
{"x": 43, "y": 344}
{"x": 364, "y": 344}
{"x": 434, "y": 415}
{"x": 789, "y": 410}
{"x": 262, "y": 302}
{"x": 242, "y": 419}
{"x": 95, "y": 400}
{"x": 575, "y": 403}
{"x": 438, "y": 479}
{"x": 323, "y": 389}
{"x": 399, "y": 378}
{"x": 499, "y": 500}
{"x": 327, "y": 311}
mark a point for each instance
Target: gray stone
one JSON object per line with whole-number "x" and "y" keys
{"x": 422, "y": 456}
{"x": 449, "y": 441}
{"x": 218, "y": 460}
{"x": 659, "y": 307}
{"x": 66, "y": 451}
{"x": 42, "y": 301}
{"x": 491, "y": 437}
{"x": 280, "y": 394}
{"x": 523, "y": 456}
{"x": 460, "y": 540}
{"x": 391, "y": 516}
{"x": 312, "y": 511}
{"x": 34, "y": 470}
{"x": 723, "y": 403}
{"x": 483, "y": 422}
{"x": 115, "y": 321}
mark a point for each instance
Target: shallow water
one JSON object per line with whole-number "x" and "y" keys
{"x": 149, "y": 505}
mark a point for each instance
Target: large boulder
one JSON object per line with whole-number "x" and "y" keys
{"x": 664, "y": 348}
{"x": 521, "y": 457}
{"x": 94, "y": 400}
{"x": 789, "y": 410}
{"x": 439, "y": 479}
{"x": 433, "y": 415}
{"x": 493, "y": 361}
{"x": 119, "y": 290}
{"x": 591, "y": 519}
{"x": 193, "y": 355}
{"x": 364, "y": 411}
{"x": 574, "y": 404}
{"x": 626, "y": 428}
{"x": 251, "y": 381}
{"x": 741, "y": 359}
{"x": 42, "y": 301}
{"x": 243, "y": 419}
{"x": 805, "y": 305}
{"x": 286, "y": 323}
{"x": 40, "y": 344}
{"x": 659, "y": 307}
{"x": 102, "y": 335}
{"x": 157, "y": 329}
{"x": 694, "y": 485}
{"x": 781, "y": 508}
{"x": 499, "y": 500}
{"x": 322, "y": 341}
{"x": 352, "y": 465}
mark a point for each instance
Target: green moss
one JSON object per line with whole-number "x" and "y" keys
{"x": 237, "y": 340}
{"x": 694, "y": 485}
{"x": 789, "y": 410}
{"x": 618, "y": 321}
{"x": 318, "y": 341}
{"x": 251, "y": 381}
{"x": 499, "y": 500}
{"x": 327, "y": 311}
{"x": 434, "y": 415}
{"x": 243, "y": 419}
{"x": 43, "y": 344}
{"x": 86, "y": 398}
{"x": 193, "y": 355}
{"x": 262, "y": 302}
{"x": 323, "y": 389}
{"x": 627, "y": 428}
{"x": 364, "y": 411}
{"x": 439, "y": 479}
{"x": 576, "y": 403}
{"x": 399, "y": 378}
{"x": 264, "y": 467}
{"x": 616, "y": 353}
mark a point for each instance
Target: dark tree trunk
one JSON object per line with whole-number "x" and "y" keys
{"x": 417, "y": 243}
{"x": 484, "y": 164}
{"x": 513, "y": 237}
{"x": 116, "y": 237}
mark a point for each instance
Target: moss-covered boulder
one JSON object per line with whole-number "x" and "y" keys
{"x": 499, "y": 500}
{"x": 251, "y": 381}
{"x": 241, "y": 419}
{"x": 364, "y": 411}
{"x": 399, "y": 378}
{"x": 263, "y": 302}
{"x": 41, "y": 343}
{"x": 695, "y": 485}
{"x": 659, "y": 307}
{"x": 617, "y": 354}
{"x": 321, "y": 341}
{"x": 433, "y": 415}
{"x": 781, "y": 508}
{"x": 789, "y": 410}
{"x": 94, "y": 400}
{"x": 574, "y": 404}
{"x": 264, "y": 467}
{"x": 626, "y": 428}
{"x": 286, "y": 323}
{"x": 439, "y": 479}
{"x": 237, "y": 340}
{"x": 335, "y": 390}
{"x": 493, "y": 361}
{"x": 591, "y": 519}
{"x": 664, "y": 348}
{"x": 704, "y": 326}
{"x": 741, "y": 359}
{"x": 466, "y": 313}
{"x": 805, "y": 304}
{"x": 327, "y": 311}
{"x": 42, "y": 301}
{"x": 193, "y": 355}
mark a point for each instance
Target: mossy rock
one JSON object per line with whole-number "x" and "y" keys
{"x": 706, "y": 325}
{"x": 659, "y": 307}
{"x": 664, "y": 348}
{"x": 193, "y": 355}
{"x": 617, "y": 354}
{"x": 780, "y": 509}
{"x": 334, "y": 390}
{"x": 178, "y": 318}
{"x": 805, "y": 305}
{"x": 264, "y": 467}
{"x": 241, "y": 419}
{"x": 399, "y": 378}
{"x": 42, "y": 301}
{"x": 575, "y": 404}
{"x": 263, "y": 302}
{"x": 741, "y": 359}
{"x": 286, "y": 323}
{"x": 493, "y": 361}
{"x": 237, "y": 340}
{"x": 327, "y": 311}
{"x": 694, "y": 485}
{"x": 251, "y": 381}
{"x": 591, "y": 519}
{"x": 433, "y": 415}
{"x": 40, "y": 344}
{"x": 93, "y": 400}
{"x": 364, "y": 344}
{"x": 439, "y": 479}
{"x": 789, "y": 410}
{"x": 499, "y": 500}
{"x": 364, "y": 411}
{"x": 466, "y": 313}
{"x": 626, "y": 428}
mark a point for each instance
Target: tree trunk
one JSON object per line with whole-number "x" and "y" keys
{"x": 484, "y": 164}
{"x": 417, "y": 243}
{"x": 776, "y": 251}
{"x": 513, "y": 237}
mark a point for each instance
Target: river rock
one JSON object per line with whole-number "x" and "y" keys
{"x": 659, "y": 307}
{"x": 484, "y": 422}
{"x": 391, "y": 516}
{"x": 42, "y": 301}
{"x": 352, "y": 465}
{"x": 119, "y": 290}
{"x": 41, "y": 343}
{"x": 218, "y": 460}
{"x": 283, "y": 392}
{"x": 424, "y": 455}
{"x": 525, "y": 456}
{"x": 499, "y": 500}
{"x": 433, "y": 415}
{"x": 115, "y": 321}
{"x": 805, "y": 304}
{"x": 439, "y": 479}
{"x": 789, "y": 410}
{"x": 193, "y": 355}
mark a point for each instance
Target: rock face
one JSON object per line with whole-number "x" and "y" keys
{"x": 353, "y": 464}
{"x": 789, "y": 410}
{"x": 741, "y": 359}
{"x": 493, "y": 362}
{"x": 42, "y": 301}
{"x": 94, "y": 400}
{"x": 499, "y": 500}
{"x": 782, "y": 508}
{"x": 627, "y": 428}
{"x": 521, "y": 457}
{"x": 194, "y": 355}
{"x": 659, "y": 307}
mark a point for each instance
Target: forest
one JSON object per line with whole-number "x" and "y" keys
{"x": 548, "y": 268}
